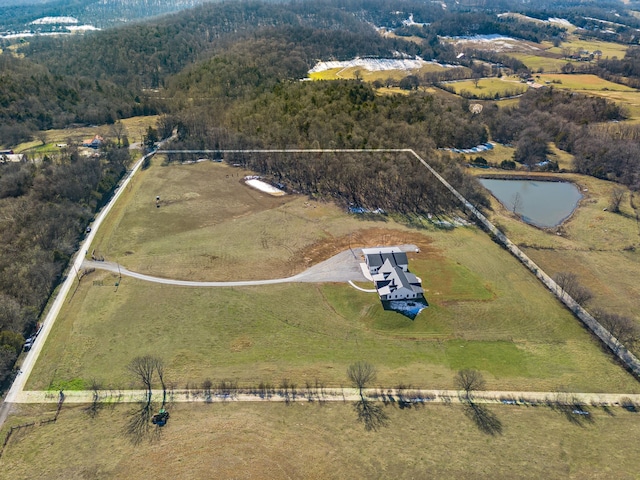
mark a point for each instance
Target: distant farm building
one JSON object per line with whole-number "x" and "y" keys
{"x": 94, "y": 142}
{"x": 12, "y": 157}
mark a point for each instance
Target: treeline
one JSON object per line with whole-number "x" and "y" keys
{"x": 342, "y": 115}
{"x": 337, "y": 114}
{"x": 577, "y": 124}
{"x": 625, "y": 70}
{"x": 43, "y": 211}
{"x": 480, "y": 23}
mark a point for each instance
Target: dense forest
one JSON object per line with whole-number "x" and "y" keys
{"x": 44, "y": 209}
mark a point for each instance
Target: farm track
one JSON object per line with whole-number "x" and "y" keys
{"x": 328, "y": 394}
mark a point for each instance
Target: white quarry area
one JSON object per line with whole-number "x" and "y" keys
{"x": 376, "y": 64}
{"x": 55, "y": 21}
{"x": 258, "y": 184}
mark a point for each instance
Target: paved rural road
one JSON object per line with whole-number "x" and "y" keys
{"x": 343, "y": 267}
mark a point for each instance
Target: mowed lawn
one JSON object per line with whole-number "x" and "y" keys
{"x": 486, "y": 312}
{"x": 325, "y": 441}
{"x": 135, "y": 127}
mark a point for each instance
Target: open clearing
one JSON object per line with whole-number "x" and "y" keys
{"x": 537, "y": 63}
{"x": 311, "y": 440}
{"x": 608, "y": 49}
{"x": 490, "y": 87}
{"x": 136, "y": 127}
{"x": 583, "y": 82}
{"x": 486, "y": 312}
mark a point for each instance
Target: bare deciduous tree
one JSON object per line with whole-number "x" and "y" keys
{"x": 615, "y": 199}
{"x": 621, "y": 327}
{"x": 568, "y": 282}
{"x": 469, "y": 380}
{"x": 118, "y": 130}
{"x": 142, "y": 369}
{"x": 361, "y": 374}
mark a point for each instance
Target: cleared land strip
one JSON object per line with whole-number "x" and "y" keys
{"x": 411, "y": 395}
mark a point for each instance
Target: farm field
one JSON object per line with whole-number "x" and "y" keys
{"x": 599, "y": 246}
{"x": 489, "y": 87}
{"x": 371, "y": 76}
{"x": 311, "y": 440}
{"x": 486, "y": 312}
{"x": 538, "y": 62}
{"x": 608, "y": 49}
{"x": 581, "y": 82}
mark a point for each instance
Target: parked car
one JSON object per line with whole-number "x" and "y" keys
{"x": 28, "y": 343}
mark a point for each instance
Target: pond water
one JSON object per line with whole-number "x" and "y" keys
{"x": 544, "y": 204}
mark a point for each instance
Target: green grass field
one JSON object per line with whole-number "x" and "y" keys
{"x": 537, "y": 62}
{"x": 490, "y": 87}
{"x": 608, "y": 49}
{"x": 486, "y": 311}
{"x": 311, "y": 440}
{"x": 582, "y": 82}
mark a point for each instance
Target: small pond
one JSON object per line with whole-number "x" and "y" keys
{"x": 543, "y": 204}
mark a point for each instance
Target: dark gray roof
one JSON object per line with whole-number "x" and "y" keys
{"x": 396, "y": 258}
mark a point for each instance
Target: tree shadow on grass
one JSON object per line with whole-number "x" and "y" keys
{"x": 371, "y": 414}
{"x": 486, "y": 421}
{"x": 572, "y": 408}
{"x": 139, "y": 427}
{"x": 576, "y": 414}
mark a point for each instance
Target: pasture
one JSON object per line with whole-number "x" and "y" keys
{"x": 540, "y": 63}
{"x": 350, "y": 73}
{"x": 486, "y": 312}
{"x": 608, "y": 49}
{"x": 630, "y": 100}
{"x": 583, "y": 82}
{"x": 311, "y": 440}
{"x": 597, "y": 245}
{"x": 489, "y": 87}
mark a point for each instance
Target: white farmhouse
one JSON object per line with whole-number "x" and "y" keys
{"x": 394, "y": 283}
{"x": 389, "y": 268}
